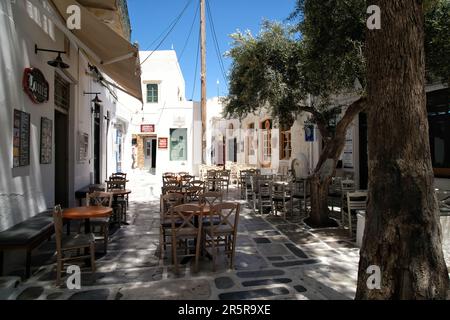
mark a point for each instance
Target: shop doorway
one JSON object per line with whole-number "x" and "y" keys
{"x": 150, "y": 154}
{"x": 61, "y": 159}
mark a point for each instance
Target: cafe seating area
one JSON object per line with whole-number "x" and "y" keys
{"x": 195, "y": 220}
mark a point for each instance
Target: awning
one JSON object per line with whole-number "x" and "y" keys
{"x": 111, "y": 53}
{"x": 100, "y": 4}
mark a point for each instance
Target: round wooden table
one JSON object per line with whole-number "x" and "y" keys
{"x": 87, "y": 213}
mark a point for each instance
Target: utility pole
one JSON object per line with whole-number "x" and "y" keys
{"x": 203, "y": 76}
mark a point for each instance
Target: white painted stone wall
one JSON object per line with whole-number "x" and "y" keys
{"x": 26, "y": 191}
{"x": 172, "y": 111}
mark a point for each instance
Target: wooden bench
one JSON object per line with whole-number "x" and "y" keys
{"x": 27, "y": 235}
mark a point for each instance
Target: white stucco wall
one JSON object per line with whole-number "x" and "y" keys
{"x": 26, "y": 191}
{"x": 172, "y": 111}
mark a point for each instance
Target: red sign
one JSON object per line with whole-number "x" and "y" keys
{"x": 148, "y": 128}
{"x": 35, "y": 85}
{"x": 163, "y": 143}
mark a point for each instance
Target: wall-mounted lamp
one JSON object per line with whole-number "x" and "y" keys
{"x": 96, "y": 99}
{"x": 57, "y": 62}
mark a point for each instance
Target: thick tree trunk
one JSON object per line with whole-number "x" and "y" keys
{"x": 319, "y": 216}
{"x": 402, "y": 233}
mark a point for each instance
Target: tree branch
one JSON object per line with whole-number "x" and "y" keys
{"x": 355, "y": 108}
{"x": 319, "y": 119}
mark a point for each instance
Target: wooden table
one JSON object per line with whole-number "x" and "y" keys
{"x": 87, "y": 213}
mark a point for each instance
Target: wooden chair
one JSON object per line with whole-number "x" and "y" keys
{"x": 300, "y": 191}
{"x": 346, "y": 187}
{"x": 242, "y": 181}
{"x": 185, "y": 227}
{"x": 168, "y": 201}
{"x": 223, "y": 179}
{"x": 224, "y": 233}
{"x": 70, "y": 243}
{"x": 355, "y": 201}
{"x": 100, "y": 199}
{"x": 265, "y": 195}
{"x": 281, "y": 196}
{"x": 120, "y": 203}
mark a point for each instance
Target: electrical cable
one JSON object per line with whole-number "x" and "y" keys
{"x": 190, "y": 32}
{"x": 216, "y": 43}
{"x": 172, "y": 26}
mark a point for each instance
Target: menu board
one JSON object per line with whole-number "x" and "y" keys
{"x": 46, "y": 141}
{"x": 21, "y": 142}
{"x": 348, "y": 150}
{"x": 163, "y": 143}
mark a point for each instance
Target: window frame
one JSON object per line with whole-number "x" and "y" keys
{"x": 285, "y": 143}
{"x": 151, "y": 99}
{"x": 266, "y": 148}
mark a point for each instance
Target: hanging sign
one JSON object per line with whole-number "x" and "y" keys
{"x": 309, "y": 133}
{"x": 163, "y": 143}
{"x": 35, "y": 85}
{"x": 147, "y": 128}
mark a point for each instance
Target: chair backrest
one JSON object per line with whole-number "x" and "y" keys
{"x": 197, "y": 183}
{"x": 300, "y": 187}
{"x": 357, "y": 200}
{"x": 168, "y": 175}
{"x": 170, "y": 189}
{"x": 194, "y": 193}
{"x": 185, "y": 216}
{"x": 186, "y": 179}
{"x": 115, "y": 185}
{"x": 347, "y": 186}
{"x": 182, "y": 174}
{"x": 211, "y": 198}
{"x": 58, "y": 224}
{"x": 119, "y": 175}
{"x": 97, "y": 199}
{"x": 211, "y": 173}
{"x": 171, "y": 200}
{"x": 265, "y": 188}
{"x": 282, "y": 189}
{"x": 228, "y": 214}
{"x": 170, "y": 183}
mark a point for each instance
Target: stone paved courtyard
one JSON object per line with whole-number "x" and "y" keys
{"x": 275, "y": 259}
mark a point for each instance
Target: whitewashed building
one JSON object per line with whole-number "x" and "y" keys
{"x": 54, "y": 139}
{"x": 167, "y": 128}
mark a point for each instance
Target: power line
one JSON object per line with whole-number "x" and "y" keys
{"x": 216, "y": 44}
{"x": 171, "y": 26}
{"x": 190, "y": 31}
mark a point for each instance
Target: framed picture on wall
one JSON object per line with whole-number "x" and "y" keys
{"x": 46, "y": 140}
{"x": 21, "y": 139}
{"x": 83, "y": 146}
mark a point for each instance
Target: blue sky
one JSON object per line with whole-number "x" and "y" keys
{"x": 150, "y": 18}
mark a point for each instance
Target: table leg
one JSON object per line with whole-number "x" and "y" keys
{"x": 87, "y": 226}
{"x": 87, "y": 230}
